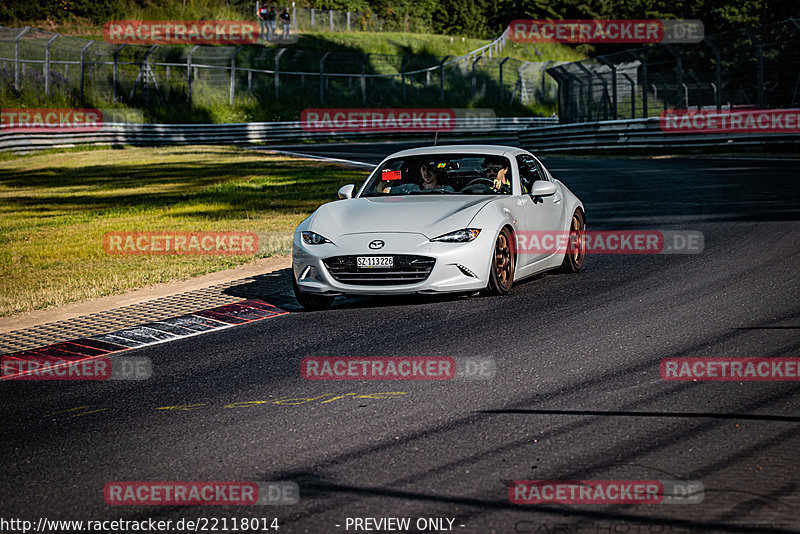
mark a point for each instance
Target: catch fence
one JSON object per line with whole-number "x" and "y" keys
{"x": 753, "y": 67}
{"x": 95, "y": 72}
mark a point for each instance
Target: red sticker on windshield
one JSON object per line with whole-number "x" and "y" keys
{"x": 391, "y": 175}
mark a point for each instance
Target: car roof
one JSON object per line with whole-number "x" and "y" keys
{"x": 496, "y": 150}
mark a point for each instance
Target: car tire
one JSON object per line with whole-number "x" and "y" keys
{"x": 310, "y": 301}
{"x": 501, "y": 274}
{"x": 576, "y": 252}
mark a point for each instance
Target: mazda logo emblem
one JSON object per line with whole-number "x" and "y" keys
{"x": 376, "y": 244}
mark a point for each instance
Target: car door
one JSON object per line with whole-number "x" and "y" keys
{"x": 542, "y": 213}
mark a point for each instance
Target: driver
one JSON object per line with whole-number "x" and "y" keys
{"x": 496, "y": 169}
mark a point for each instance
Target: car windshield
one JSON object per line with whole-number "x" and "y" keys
{"x": 473, "y": 174}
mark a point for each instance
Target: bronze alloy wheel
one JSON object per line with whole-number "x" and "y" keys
{"x": 576, "y": 254}
{"x": 501, "y": 277}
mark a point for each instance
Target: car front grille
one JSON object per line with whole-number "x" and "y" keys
{"x": 407, "y": 270}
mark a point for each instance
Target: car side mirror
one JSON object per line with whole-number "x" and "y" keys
{"x": 346, "y": 191}
{"x": 542, "y": 188}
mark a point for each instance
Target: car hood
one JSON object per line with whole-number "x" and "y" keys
{"x": 429, "y": 215}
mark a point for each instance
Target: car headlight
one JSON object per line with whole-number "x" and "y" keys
{"x": 312, "y": 238}
{"x": 459, "y": 236}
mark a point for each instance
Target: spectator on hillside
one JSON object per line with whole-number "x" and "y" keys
{"x": 271, "y": 18}
{"x": 262, "y": 12}
{"x": 286, "y": 20}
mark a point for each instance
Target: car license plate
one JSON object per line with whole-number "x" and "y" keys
{"x": 376, "y": 262}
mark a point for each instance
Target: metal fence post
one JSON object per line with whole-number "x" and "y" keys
{"x": 589, "y": 91}
{"x": 277, "y": 73}
{"x": 144, "y": 73}
{"x": 474, "y": 78}
{"x": 322, "y": 77}
{"x": 233, "y": 73}
{"x": 364, "y": 79}
{"x": 441, "y": 78}
{"x": 633, "y": 94}
{"x": 699, "y": 90}
{"x": 643, "y": 64}
{"x": 563, "y": 90}
{"x": 660, "y": 78}
{"x": 348, "y": 21}
{"x": 83, "y": 66}
{"x": 523, "y": 92}
{"x": 679, "y": 67}
{"x": 717, "y": 73}
{"x": 759, "y": 67}
{"x": 189, "y": 71}
{"x": 25, "y": 30}
{"x": 47, "y": 64}
{"x": 115, "y": 55}
{"x": 312, "y": 17}
{"x": 607, "y": 63}
{"x": 403, "y": 76}
{"x": 330, "y": 18}
{"x": 544, "y": 68}
{"x": 502, "y": 62}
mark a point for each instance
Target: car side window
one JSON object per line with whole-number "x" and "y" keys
{"x": 528, "y": 172}
{"x": 542, "y": 172}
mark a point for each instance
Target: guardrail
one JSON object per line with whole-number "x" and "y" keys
{"x": 639, "y": 134}
{"x": 239, "y": 134}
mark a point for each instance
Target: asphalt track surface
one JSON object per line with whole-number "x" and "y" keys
{"x": 576, "y": 396}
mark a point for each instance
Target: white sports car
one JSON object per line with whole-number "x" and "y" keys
{"x": 436, "y": 219}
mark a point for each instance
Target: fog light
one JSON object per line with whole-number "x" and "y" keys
{"x": 466, "y": 271}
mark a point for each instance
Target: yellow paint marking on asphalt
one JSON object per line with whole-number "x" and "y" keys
{"x": 333, "y": 399}
{"x": 301, "y": 399}
{"x": 373, "y": 395}
{"x": 87, "y": 413}
{"x": 289, "y": 401}
{"x": 59, "y": 412}
{"x": 182, "y": 407}
{"x": 245, "y": 404}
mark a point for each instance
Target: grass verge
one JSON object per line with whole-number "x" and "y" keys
{"x": 56, "y": 207}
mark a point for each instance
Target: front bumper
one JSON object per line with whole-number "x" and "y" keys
{"x": 458, "y": 267}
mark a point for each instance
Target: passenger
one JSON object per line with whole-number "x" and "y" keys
{"x": 433, "y": 178}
